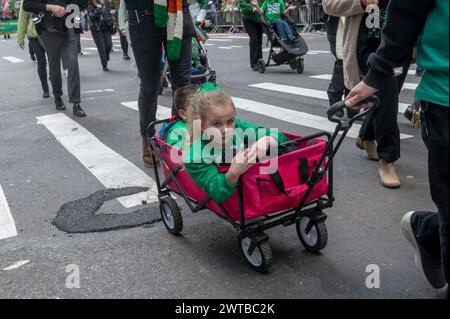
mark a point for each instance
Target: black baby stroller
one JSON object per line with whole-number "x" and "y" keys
{"x": 290, "y": 52}
{"x": 201, "y": 67}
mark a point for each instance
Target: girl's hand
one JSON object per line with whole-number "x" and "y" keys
{"x": 240, "y": 164}
{"x": 263, "y": 144}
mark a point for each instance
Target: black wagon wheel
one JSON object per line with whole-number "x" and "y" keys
{"x": 171, "y": 215}
{"x": 313, "y": 235}
{"x": 260, "y": 259}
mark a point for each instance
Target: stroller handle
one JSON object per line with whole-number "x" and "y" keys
{"x": 339, "y": 106}
{"x": 151, "y": 126}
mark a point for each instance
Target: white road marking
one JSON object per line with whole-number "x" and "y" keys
{"x": 17, "y": 265}
{"x": 13, "y": 59}
{"x": 295, "y": 117}
{"x": 98, "y": 91}
{"x": 311, "y": 93}
{"x": 110, "y": 168}
{"x": 7, "y": 225}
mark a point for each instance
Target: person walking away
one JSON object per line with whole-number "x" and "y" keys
{"x": 60, "y": 42}
{"x": 25, "y": 27}
{"x": 100, "y": 19}
{"x": 150, "y": 30}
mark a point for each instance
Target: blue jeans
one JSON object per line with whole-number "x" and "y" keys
{"x": 283, "y": 29}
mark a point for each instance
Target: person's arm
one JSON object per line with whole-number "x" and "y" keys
{"x": 22, "y": 26}
{"x": 122, "y": 16}
{"x": 37, "y": 6}
{"x": 343, "y": 8}
{"x": 396, "y": 44}
{"x": 94, "y": 12}
{"x": 395, "y": 48}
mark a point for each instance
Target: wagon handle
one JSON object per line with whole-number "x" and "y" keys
{"x": 340, "y": 106}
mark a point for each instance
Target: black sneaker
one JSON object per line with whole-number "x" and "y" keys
{"x": 46, "y": 95}
{"x": 59, "y": 104}
{"x": 126, "y": 57}
{"x": 78, "y": 111}
{"x": 428, "y": 264}
{"x": 105, "y": 68}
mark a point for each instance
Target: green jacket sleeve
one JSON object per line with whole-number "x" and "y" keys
{"x": 264, "y": 7}
{"x": 210, "y": 180}
{"x": 22, "y": 24}
{"x": 122, "y": 15}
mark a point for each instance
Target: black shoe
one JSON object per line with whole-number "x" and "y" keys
{"x": 78, "y": 111}
{"x": 59, "y": 104}
{"x": 126, "y": 57}
{"x": 419, "y": 72}
{"x": 33, "y": 58}
{"x": 46, "y": 95}
{"x": 254, "y": 68}
{"x": 429, "y": 264}
{"x": 105, "y": 68}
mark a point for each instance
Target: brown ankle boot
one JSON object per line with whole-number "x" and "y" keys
{"x": 370, "y": 147}
{"x": 146, "y": 156}
{"x": 388, "y": 176}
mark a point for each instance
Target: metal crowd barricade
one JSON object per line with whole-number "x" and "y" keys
{"x": 230, "y": 21}
{"x": 308, "y": 16}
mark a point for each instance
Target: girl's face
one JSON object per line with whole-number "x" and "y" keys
{"x": 221, "y": 118}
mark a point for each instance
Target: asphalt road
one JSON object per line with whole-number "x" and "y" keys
{"x": 49, "y": 159}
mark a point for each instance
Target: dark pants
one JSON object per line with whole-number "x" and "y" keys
{"x": 103, "y": 42}
{"x": 255, "y": 33}
{"x": 79, "y": 42}
{"x": 63, "y": 46}
{"x": 433, "y": 227}
{"x": 30, "y": 49}
{"x": 148, "y": 41}
{"x": 41, "y": 59}
{"x": 123, "y": 43}
{"x": 336, "y": 89}
{"x": 381, "y": 124}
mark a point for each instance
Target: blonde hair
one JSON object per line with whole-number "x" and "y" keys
{"x": 201, "y": 103}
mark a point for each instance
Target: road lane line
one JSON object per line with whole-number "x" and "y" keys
{"x": 110, "y": 168}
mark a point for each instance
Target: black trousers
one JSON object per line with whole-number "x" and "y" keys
{"x": 63, "y": 47}
{"x": 381, "y": 124}
{"x": 103, "y": 42}
{"x": 255, "y": 32}
{"x": 432, "y": 227}
{"x": 41, "y": 59}
{"x": 148, "y": 41}
{"x": 123, "y": 43}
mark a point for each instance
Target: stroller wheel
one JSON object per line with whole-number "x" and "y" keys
{"x": 171, "y": 215}
{"x": 300, "y": 65}
{"x": 261, "y": 65}
{"x": 261, "y": 258}
{"x": 312, "y": 235}
{"x": 293, "y": 64}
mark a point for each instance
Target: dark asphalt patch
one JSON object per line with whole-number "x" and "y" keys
{"x": 80, "y": 215}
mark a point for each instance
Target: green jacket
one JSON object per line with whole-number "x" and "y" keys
{"x": 247, "y": 10}
{"x": 176, "y": 135}
{"x": 25, "y": 26}
{"x": 201, "y": 165}
{"x": 432, "y": 56}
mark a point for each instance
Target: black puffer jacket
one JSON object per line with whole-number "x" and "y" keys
{"x": 100, "y": 18}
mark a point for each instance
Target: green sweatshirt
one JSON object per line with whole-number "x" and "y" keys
{"x": 248, "y": 12}
{"x": 432, "y": 56}
{"x": 201, "y": 166}
{"x": 176, "y": 135}
{"x": 273, "y": 9}
{"x": 25, "y": 26}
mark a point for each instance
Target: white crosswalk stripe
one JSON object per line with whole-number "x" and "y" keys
{"x": 311, "y": 93}
{"x": 406, "y": 85}
{"x": 279, "y": 113}
{"x": 7, "y": 225}
{"x": 110, "y": 168}
{"x": 13, "y": 59}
